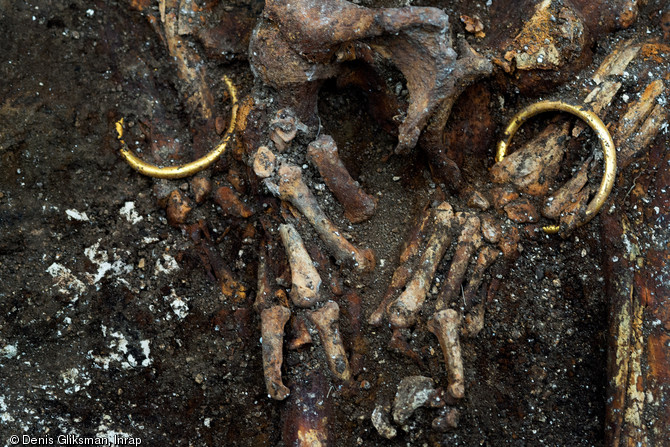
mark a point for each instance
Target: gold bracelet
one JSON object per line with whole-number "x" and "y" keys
{"x": 184, "y": 170}
{"x": 603, "y": 135}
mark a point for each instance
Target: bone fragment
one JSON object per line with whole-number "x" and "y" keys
{"x": 566, "y": 195}
{"x": 641, "y": 123}
{"x": 403, "y": 310}
{"x": 532, "y": 167}
{"x": 293, "y": 189}
{"x": 638, "y": 111}
{"x": 477, "y": 200}
{"x": 201, "y": 187}
{"x": 509, "y": 242}
{"x": 658, "y": 117}
{"x": 231, "y": 204}
{"x": 601, "y": 96}
{"x": 273, "y": 321}
{"x": 521, "y": 211}
{"x": 380, "y": 420}
{"x": 325, "y": 320}
{"x": 473, "y": 322}
{"x": 541, "y": 45}
{"x": 487, "y": 256}
{"x": 469, "y": 241}
{"x": 304, "y": 277}
{"x": 444, "y": 324}
{"x": 358, "y": 205}
{"x": 178, "y": 208}
{"x": 284, "y": 127}
{"x": 264, "y": 287}
{"x": 404, "y": 270}
{"x": 573, "y": 214}
{"x": 398, "y": 343}
{"x": 265, "y": 162}
{"x": 616, "y": 62}
{"x": 301, "y": 335}
{"x": 490, "y": 228}
{"x": 414, "y": 392}
{"x": 301, "y": 42}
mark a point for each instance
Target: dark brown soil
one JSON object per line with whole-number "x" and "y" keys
{"x": 110, "y": 324}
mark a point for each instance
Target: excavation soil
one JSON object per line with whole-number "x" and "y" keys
{"x": 110, "y": 324}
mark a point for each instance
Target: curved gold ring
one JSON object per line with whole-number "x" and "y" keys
{"x": 595, "y": 123}
{"x": 181, "y": 171}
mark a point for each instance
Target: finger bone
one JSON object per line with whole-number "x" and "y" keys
{"x": 304, "y": 277}
{"x": 293, "y": 189}
{"x": 325, "y": 320}
{"x": 566, "y": 195}
{"x": 403, "y": 272}
{"x": 444, "y": 324}
{"x": 487, "y": 256}
{"x": 468, "y": 242}
{"x": 402, "y": 311}
{"x": 273, "y": 321}
{"x": 358, "y": 205}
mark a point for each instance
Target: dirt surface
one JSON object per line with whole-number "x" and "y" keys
{"x": 110, "y": 324}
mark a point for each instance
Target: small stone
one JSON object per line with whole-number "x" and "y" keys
{"x": 448, "y": 421}
{"x": 413, "y": 392}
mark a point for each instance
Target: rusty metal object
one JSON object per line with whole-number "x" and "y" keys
{"x": 358, "y": 205}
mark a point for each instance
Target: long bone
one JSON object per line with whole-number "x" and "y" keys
{"x": 358, "y": 205}
{"x": 469, "y": 241}
{"x": 403, "y": 272}
{"x": 273, "y": 321}
{"x": 304, "y": 277}
{"x": 325, "y": 320}
{"x": 403, "y": 310}
{"x": 444, "y": 324}
{"x": 293, "y": 189}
